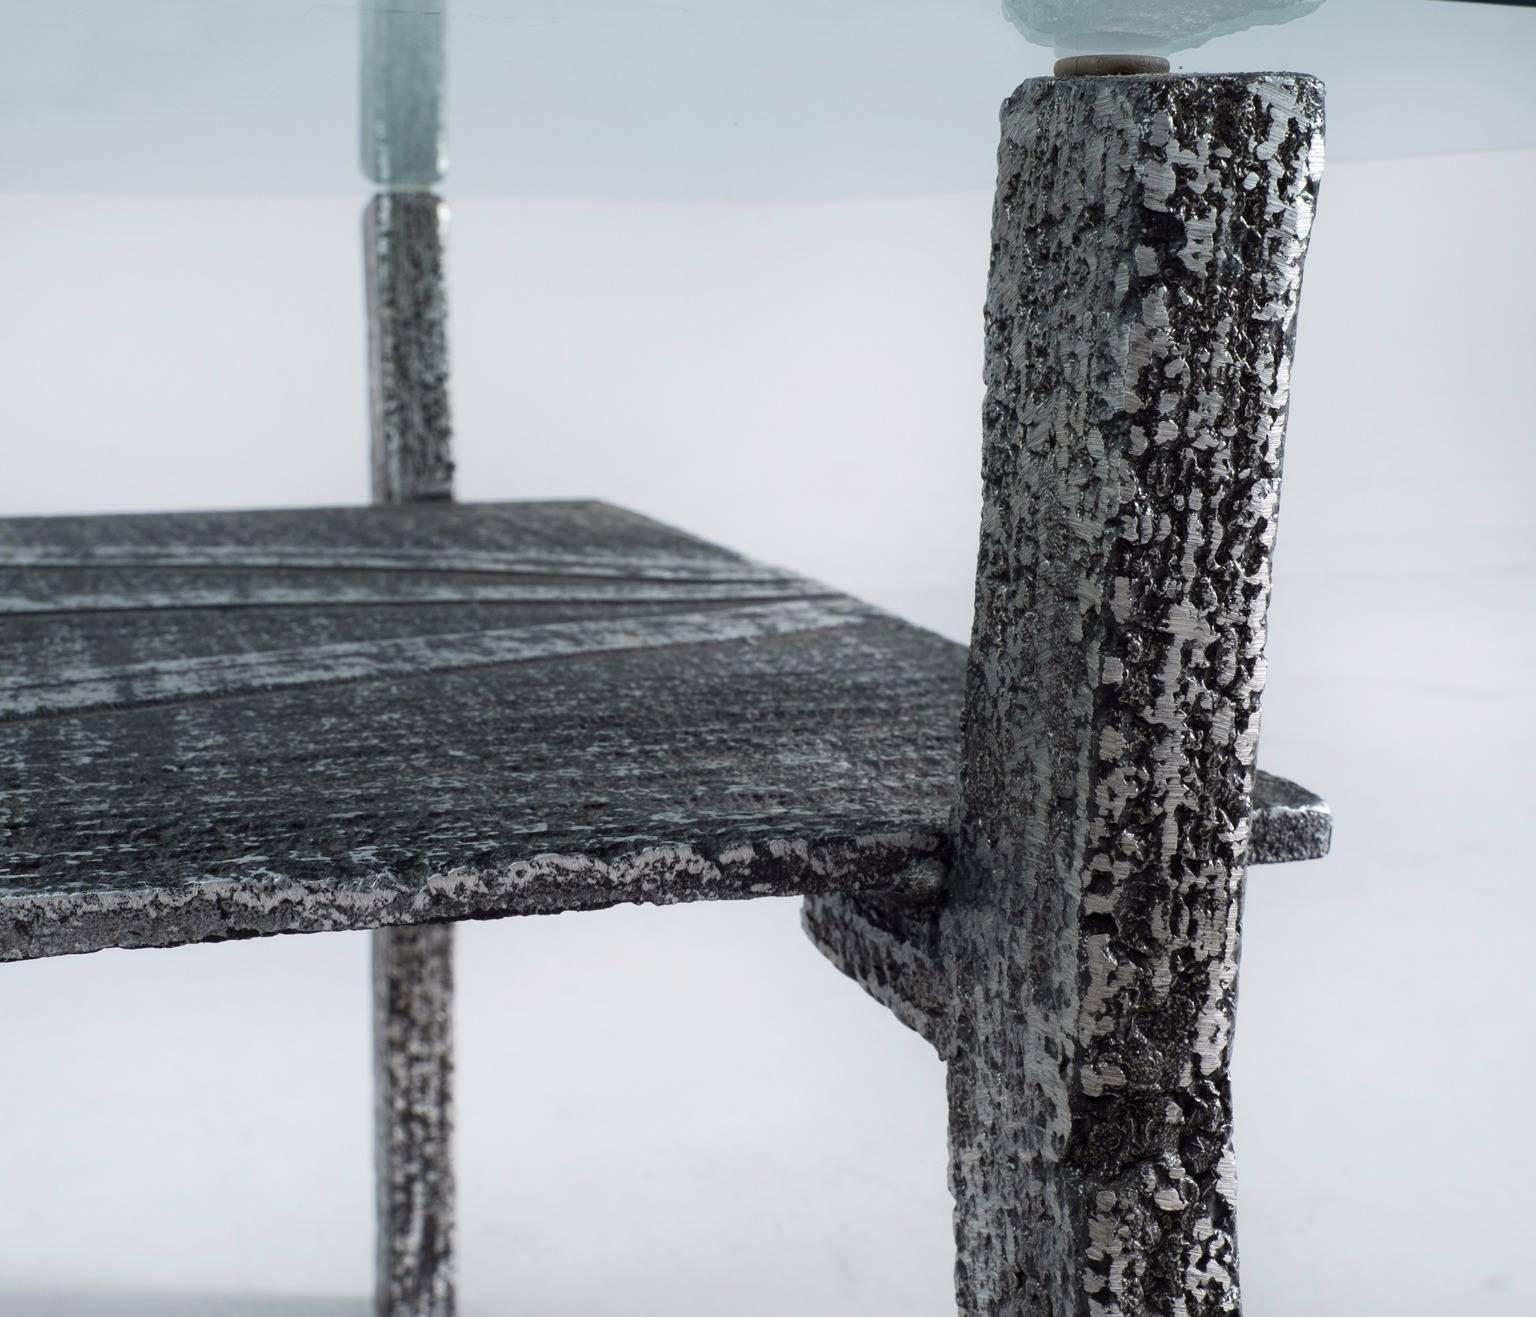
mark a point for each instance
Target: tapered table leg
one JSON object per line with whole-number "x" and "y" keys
{"x": 1080, "y": 975}
{"x": 1147, "y": 256}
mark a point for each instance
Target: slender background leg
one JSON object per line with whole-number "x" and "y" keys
{"x": 403, "y": 235}
{"x": 403, "y": 150}
{"x": 413, "y": 1063}
{"x": 412, "y": 967}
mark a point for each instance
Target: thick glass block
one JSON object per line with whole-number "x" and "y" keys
{"x": 1154, "y": 27}
{"x": 402, "y": 93}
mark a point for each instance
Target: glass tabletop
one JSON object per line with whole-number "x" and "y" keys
{"x": 802, "y": 99}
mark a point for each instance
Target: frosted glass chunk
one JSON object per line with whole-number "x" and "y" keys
{"x": 1142, "y": 27}
{"x": 403, "y": 87}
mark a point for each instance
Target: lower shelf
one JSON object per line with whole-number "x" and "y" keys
{"x": 235, "y": 724}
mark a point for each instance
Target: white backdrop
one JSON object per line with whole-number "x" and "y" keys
{"x": 685, "y": 1111}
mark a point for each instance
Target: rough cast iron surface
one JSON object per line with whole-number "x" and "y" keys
{"x": 1147, "y": 257}
{"x": 230, "y": 724}
{"x": 413, "y": 964}
{"x": 408, "y": 347}
{"x": 413, "y": 1126}
{"x": 1148, "y": 241}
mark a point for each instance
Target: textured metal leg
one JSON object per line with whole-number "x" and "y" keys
{"x": 412, "y": 967}
{"x": 1147, "y": 254}
{"x": 413, "y": 1066}
{"x": 403, "y": 236}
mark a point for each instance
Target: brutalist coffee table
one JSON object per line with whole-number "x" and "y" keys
{"x": 1032, "y": 850}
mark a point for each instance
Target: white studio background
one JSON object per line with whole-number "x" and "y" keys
{"x": 686, "y": 1111}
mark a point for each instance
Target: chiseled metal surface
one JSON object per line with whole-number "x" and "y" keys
{"x": 258, "y": 756}
{"x": 238, "y": 766}
{"x": 219, "y": 725}
{"x": 412, "y": 460}
{"x": 1288, "y": 823}
{"x": 406, "y": 289}
{"x": 1080, "y": 977}
{"x": 413, "y": 1121}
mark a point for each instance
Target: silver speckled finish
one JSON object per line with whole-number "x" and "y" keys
{"x": 1080, "y": 977}
{"x": 230, "y": 724}
{"x": 227, "y": 724}
{"x": 403, "y": 235}
{"x": 413, "y": 1128}
{"x": 412, "y": 462}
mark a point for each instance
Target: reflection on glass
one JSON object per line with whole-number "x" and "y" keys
{"x": 403, "y": 83}
{"x": 1088, "y": 27}
{"x": 804, "y": 100}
